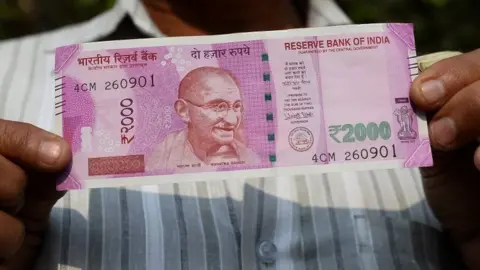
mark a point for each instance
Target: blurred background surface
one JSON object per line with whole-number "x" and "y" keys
{"x": 439, "y": 24}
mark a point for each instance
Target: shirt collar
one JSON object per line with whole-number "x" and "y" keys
{"x": 102, "y": 25}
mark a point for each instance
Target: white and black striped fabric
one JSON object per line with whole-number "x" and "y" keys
{"x": 368, "y": 220}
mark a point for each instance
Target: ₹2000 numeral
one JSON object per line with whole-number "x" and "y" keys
{"x": 360, "y": 132}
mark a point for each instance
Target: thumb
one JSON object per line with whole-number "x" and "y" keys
{"x": 32, "y": 147}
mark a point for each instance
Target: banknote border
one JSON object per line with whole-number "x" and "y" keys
{"x": 252, "y": 173}
{"x": 241, "y": 174}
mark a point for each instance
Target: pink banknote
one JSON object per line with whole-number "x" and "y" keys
{"x": 253, "y": 104}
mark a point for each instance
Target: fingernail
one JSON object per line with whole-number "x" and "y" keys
{"x": 443, "y": 132}
{"x": 432, "y": 91}
{"x": 50, "y": 151}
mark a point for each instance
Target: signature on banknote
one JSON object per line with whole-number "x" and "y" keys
{"x": 299, "y": 115}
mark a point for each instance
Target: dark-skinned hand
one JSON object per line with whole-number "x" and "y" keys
{"x": 449, "y": 92}
{"x": 31, "y": 159}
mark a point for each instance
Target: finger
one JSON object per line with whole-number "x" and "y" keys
{"x": 12, "y": 184}
{"x": 33, "y": 147}
{"x": 25, "y": 257}
{"x": 12, "y": 233}
{"x": 40, "y": 196}
{"x": 437, "y": 84}
{"x": 458, "y": 121}
{"x": 447, "y": 164}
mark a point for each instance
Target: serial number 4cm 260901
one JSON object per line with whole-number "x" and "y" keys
{"x": 373, "y": 152}
{"x": 132, "y": 82}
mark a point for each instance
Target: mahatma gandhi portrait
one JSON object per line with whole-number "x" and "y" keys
{"x": 210, "y": 104}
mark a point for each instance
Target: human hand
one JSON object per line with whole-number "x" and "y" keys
{"x": 30, "y": 161}
{"x": 451, "y": 98}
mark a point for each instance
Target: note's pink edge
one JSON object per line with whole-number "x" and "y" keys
{"x": 70, "y": 183}
{"x": 64, "y": 54}
{"x": 404, "y": 32}
{"x": 421, "y": 157}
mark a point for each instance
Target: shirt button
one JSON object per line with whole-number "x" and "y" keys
{"x": 267, "y": 252}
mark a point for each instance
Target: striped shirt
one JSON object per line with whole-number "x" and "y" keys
{"x": 366, "y": 220}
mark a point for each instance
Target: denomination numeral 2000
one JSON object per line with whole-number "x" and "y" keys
{"x": 127, "y": 120}
{"x": 360, "y": 132}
